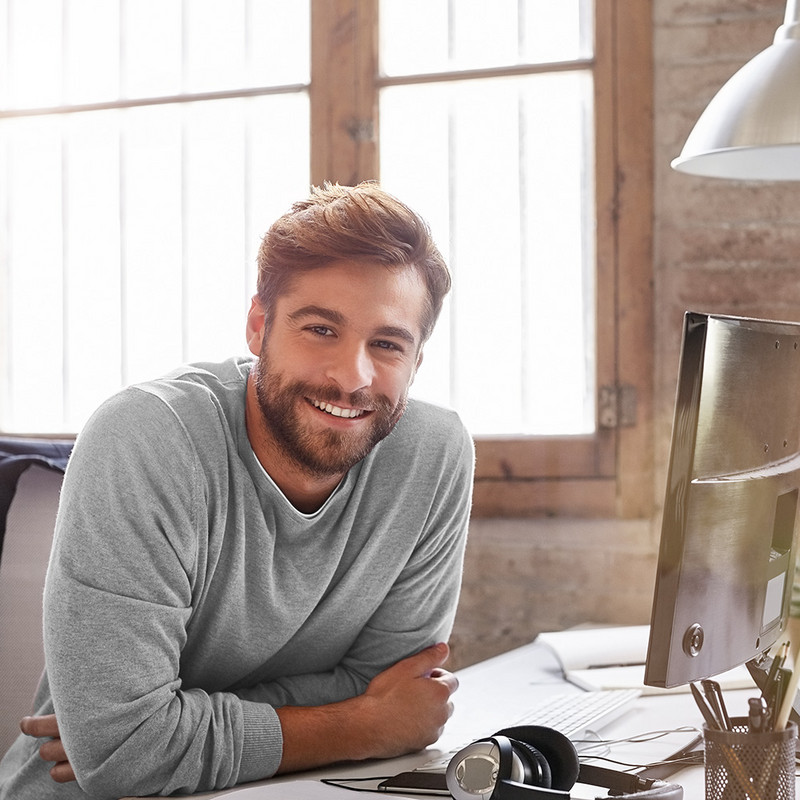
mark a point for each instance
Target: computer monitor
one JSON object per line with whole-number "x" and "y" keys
{"x": 726, "y": 562}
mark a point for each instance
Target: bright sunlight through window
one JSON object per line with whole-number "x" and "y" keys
{"x": 145, "y": 146}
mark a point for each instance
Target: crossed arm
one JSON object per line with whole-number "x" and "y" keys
{"x": 403, "y": 709}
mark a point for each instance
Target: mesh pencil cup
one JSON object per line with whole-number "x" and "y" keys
{"x": 750, "y": 766}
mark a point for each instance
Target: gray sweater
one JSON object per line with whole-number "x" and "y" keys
{"x": 186, "y": 598}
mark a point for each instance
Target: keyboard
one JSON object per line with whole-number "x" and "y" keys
{"x": 576, "y": 715}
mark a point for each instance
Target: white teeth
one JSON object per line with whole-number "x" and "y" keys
{"x": 348, "y": 413}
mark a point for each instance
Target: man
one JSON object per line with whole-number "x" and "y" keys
{"x": 256, "y": 563}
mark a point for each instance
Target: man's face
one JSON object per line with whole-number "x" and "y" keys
{"x": 336, "y": 364}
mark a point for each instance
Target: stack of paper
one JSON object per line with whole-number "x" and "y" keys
{"x": 610, "y": 657}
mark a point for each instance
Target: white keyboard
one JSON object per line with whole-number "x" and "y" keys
{"x": 576, "y": 715}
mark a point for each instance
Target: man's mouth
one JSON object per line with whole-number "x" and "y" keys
{"x": 338, "y": 411}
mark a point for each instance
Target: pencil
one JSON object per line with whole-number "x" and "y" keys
{"x": 788, "y": 700}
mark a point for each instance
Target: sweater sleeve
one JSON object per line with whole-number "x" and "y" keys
{"x": 118, "y": 599}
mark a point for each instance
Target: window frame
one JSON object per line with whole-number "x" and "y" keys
{"x": 608, "y": 473}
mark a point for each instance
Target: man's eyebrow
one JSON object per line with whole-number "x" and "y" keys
{"x": 317, "y": 311}
{"x": 394, "y": 331}
{"x": 397, "y": 333}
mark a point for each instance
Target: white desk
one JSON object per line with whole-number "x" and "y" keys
{"x": 492, "y": 695}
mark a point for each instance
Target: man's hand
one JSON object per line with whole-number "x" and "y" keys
{"x": 403, "y": 709}
{"x": 413, "y": 701}
{"x": 51, "y": 750}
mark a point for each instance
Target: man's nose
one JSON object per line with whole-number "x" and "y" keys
{"x": 351, "y": 368}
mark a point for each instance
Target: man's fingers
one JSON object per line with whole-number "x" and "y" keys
{"x": 447, "y": 678}
{"x": 40, "y": 727}
{"x": 46, "y": 727}
{"x": 62, "y": 772}
{"x": 53, "y": 750}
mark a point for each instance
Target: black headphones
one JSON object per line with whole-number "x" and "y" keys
{"x": 530, "y": 762}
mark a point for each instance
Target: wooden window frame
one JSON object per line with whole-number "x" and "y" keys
{"x": 609, "y": 473}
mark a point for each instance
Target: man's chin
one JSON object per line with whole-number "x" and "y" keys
{"x": 328, "y": 455}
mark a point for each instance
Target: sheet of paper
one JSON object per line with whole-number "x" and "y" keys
{"x": 633, "y": 678}
{"x": 613, "y": 657}
{"x": 584, "y": 648}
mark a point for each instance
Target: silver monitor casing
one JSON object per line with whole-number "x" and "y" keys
{"x": 729, "y": 529}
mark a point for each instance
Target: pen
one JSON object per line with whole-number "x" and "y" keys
{"x": 776, "y": 696}
{"x": 708, "y": 714}
{"x": 777, "y": 662}
{"x": 717, "y": 702}
{"x": 757, "y": 718}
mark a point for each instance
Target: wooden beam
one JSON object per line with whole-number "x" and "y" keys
{"x": 344, "y": 93}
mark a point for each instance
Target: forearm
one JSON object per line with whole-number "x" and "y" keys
{"x": 404, "y": 709}
{"x": 318, "y": 735}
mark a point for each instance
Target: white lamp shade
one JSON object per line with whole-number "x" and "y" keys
{"x": 751, "y": 128}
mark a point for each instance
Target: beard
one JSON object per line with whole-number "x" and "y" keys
{"x": 320, "y": 453}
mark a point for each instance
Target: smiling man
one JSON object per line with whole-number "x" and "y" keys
{"x": 256, "y": 563}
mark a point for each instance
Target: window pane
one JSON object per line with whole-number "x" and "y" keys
{"x": 91, "y": 259}
{"x": 470, "y": 34}
{"x": 152, "y": 243}
{"x": 128, "y": 236}
{"x": 214, "y": 55}
{"x": 32, "y": 235}
{"x": 253, "y": 43}
{"x": 131, "y": 241}
{"x": 278, "y": 42}
{"x": 64, "y": 52}
{"x": 34, "y": 52}
{"x": 153, "y": 58}
{"x": 501, "y": 169}
{"x": 91, "y": 64}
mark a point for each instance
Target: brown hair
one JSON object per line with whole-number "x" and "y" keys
{"x": 360, "y": 222}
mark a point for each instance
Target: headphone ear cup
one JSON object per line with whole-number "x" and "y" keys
{"x": 479, "y": 770}
{"x": 557, "y": 750}
{"x": 537, "y": 768}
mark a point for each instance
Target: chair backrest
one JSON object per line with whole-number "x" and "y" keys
{"x": 26, "y": 550}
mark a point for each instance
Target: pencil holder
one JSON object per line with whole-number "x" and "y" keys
{"x": 749, "y": 766}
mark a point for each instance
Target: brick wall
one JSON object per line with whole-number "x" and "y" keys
{"x": 719, "y": 246}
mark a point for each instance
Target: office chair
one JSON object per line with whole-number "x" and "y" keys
{"x": 26, "y": 550}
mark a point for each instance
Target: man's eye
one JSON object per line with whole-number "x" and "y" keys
{"x": 320, "y": 330}
{"x": 384, "y": 345}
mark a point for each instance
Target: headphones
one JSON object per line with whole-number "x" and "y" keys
{"x": 530, "y": 762}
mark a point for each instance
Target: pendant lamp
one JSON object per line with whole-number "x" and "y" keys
{"x": 751, "y": 128}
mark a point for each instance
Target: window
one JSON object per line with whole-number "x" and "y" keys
{"x": 144, "y": 147}
{"x": 486, "y": 126}
{"x": 139, "y": 180}
{"x": 606, "y": 471}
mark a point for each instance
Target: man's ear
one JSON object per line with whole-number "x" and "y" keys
{"x": 419, "y": 361}
{"x": 255, "y": 326}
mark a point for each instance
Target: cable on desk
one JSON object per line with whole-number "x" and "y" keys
{"x": 339, "y": 783}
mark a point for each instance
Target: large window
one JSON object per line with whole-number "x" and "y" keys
{"x": 487, "y": 126}
{"x": 145, "y": 145}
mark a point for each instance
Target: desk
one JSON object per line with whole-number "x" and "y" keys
{"x": 494, "y": 693}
